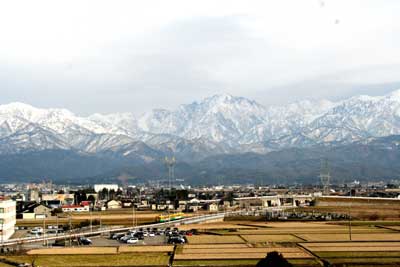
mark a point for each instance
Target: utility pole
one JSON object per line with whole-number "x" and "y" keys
{"x": 70, "y": 229}
{"x": 57, "y": 224}
{"x": 2, "y": 233}
{"x": 44, "y": 230}
{"x": 350, "y": 216}
{"x": 133, "y": 215}
{"x": 91, "y": 225}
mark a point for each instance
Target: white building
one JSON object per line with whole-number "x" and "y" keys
{"x": 109, "y": 187}
{"x": 85, "y": 207}
{"x": 7, "y": 219}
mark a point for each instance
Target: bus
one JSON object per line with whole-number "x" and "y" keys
{"x": 170, "y": 217}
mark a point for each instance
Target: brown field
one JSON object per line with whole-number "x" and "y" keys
{"x": 238, "y": 250}
{"x": 208, "y": 226}
{"x": 216, "y": 246}
{"x": 396, "y": 228}
{"x": 297, "y": 225}
{"x": 338, "y": 230}
{"x": 144, "y": 249}
{"x": 214, "y": 239}
{"x": 356, "y": 237}
{"x": 216, "y": 256}
{"x": 240, "y": 262}
{"x": 270, "y": 238}
{"x": 353, "y": 244}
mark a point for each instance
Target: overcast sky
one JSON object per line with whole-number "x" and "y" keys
{"x": 110, "y": 56}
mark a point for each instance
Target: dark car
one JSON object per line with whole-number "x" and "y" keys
{"x": 84, "y": 241}
{"x": 176, "y": 240}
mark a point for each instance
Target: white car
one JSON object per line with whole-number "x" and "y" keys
{"x": 152, "y": 234}
{"x": 145, "y": 234}
{"x": 36, "y": 230}
{"x": 132, "y": 240}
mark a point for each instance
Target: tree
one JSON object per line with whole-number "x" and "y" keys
{"x": 91, "y": 199}
{"x": 273, "y": 259}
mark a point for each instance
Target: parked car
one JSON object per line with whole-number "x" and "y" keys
{"x": 125, "y": 238}
{"x": 132, "y": 240}
{"x": 84, "y": 241}
{"x": 176, "y": 240}
{"x": 117, "y": 235}
{"x": 36, "y": 230}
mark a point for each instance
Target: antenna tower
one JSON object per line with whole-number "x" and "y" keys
{"x": 325, "y": 176}
{"x": 170, "y": 163}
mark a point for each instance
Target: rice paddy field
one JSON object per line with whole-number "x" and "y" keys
{"x": 302, "y": 243}
{"x": 244, "y": 243}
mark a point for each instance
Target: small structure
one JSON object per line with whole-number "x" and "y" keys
{"x": 84, "y": 207}
{"x": 114, "y": 204}
{"x": 213, "y": 207}
{"x": 36, "y": 211}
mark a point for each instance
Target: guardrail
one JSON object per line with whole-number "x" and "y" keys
{"x": 109, "y": 230}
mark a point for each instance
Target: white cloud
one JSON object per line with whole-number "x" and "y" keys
{"x": 136, "y": 55}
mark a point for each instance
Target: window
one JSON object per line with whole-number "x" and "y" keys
{"x": 1, "y": 221}
{"x": 1, "y": 210}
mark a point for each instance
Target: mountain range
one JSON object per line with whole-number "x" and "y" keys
{"x": 215, "y": 136}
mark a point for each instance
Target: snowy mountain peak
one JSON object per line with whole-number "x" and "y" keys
{"x": 221, "y": 122}
{"x": 394, "y": 95}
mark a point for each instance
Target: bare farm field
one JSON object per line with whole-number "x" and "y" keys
{"x": 355, "y": 237}
{"x": 270, "y": 238}
{"x": 214, "y": 239}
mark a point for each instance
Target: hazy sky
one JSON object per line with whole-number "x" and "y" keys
{"x": 108, "y": 56}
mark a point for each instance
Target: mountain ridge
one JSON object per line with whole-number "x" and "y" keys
{"x": 220, "y": 124}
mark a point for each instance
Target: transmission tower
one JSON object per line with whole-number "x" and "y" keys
{"x": 325, "y": 176}
{"x": 170, "y": 163}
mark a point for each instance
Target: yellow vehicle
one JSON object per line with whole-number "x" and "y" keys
{"x": 170, "y": 217}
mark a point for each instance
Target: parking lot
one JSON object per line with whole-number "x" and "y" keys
{"x": 145, "y": 236}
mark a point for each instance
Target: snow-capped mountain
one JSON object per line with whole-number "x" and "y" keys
{"x": 220, "y": 124}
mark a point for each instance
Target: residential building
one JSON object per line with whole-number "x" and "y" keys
{"x": 7, "y": 219}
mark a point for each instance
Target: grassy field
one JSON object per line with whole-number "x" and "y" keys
{"x": 73, "y": 251}
{"x": 156, "y": 259}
